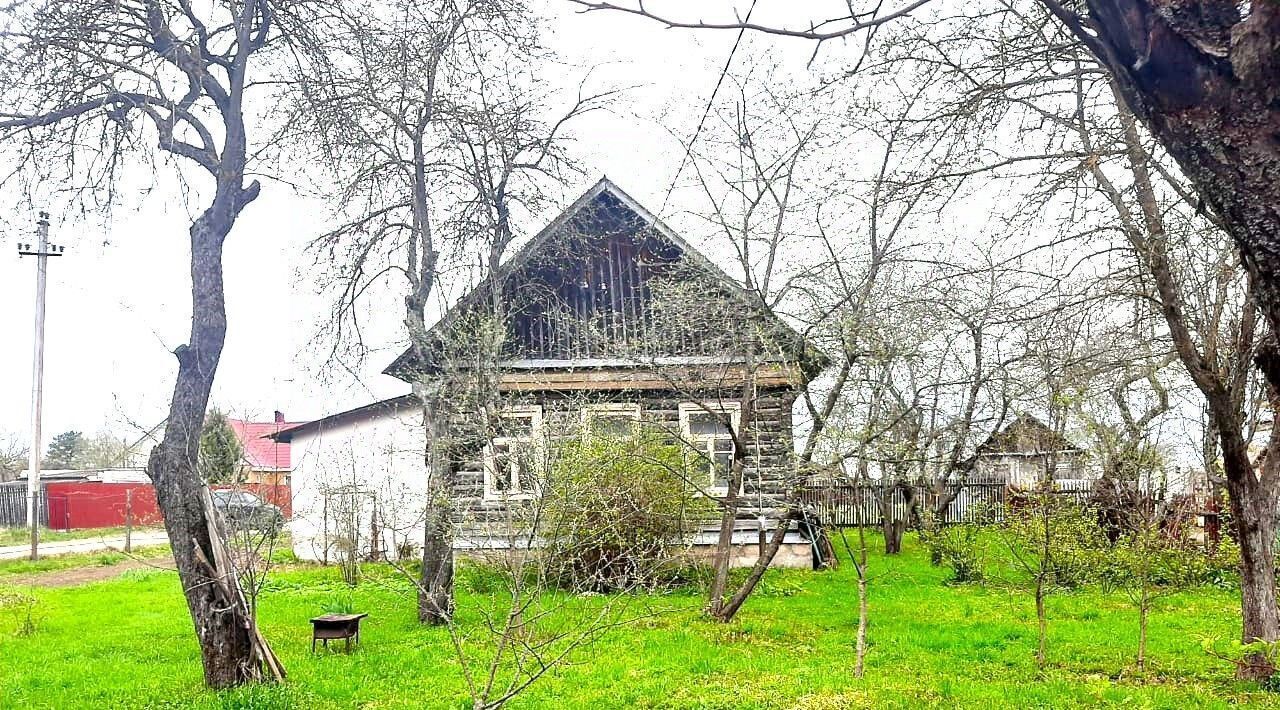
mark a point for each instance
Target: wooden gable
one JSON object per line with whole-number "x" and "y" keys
{"x": 607, "y": 284}
{"x": 1026, "y": 435}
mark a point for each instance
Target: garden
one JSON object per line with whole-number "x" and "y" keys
{"x": 932, "y": 642}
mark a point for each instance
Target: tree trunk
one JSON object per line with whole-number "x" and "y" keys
{"x": 860, "y": 648}
{"x": 224, "y": 630}
{"x": 1144, "y": 609}
{"x": 1207, "y": 86}
{"x": 893, "y": 530}
{"x": 893, "y": 526}
{"x": 1256, "y": 530}
{"x": 435, "y": 592}
{"x": 728, "y": 609}
{"x": 1042, "y": 624}
{"x": 722, "y": 556}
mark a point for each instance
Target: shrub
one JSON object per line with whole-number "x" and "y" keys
{"x": 1220, "y": 567}
{"x": 22, "y": 607}
{"x": 615, "y": 512}
{"x": 1058, "y": 541}
{"x": 960, "y": 548}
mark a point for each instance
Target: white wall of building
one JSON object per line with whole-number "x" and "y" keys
{"x": 1027, "y": 470}
{"x": 355, "y": 477}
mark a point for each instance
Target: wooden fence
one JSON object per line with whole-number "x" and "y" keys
{"x": 13, "y": 506}
{"x": 852, "y": 505}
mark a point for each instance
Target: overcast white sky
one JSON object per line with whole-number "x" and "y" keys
{"x": 118, "y": 301}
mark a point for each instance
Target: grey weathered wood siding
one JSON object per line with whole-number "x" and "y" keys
{"x": 767, "y": 477}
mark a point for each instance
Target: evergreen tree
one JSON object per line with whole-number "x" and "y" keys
{"x": 220, "y": 450}
{"x": 67, "y": 450}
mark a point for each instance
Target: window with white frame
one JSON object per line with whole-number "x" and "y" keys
{"x": 513, "y": 458}
{"x": 619, "y": 420}
{"x": 708, "y": 429}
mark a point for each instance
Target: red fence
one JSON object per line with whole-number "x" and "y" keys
{"x": 93, "y": 504}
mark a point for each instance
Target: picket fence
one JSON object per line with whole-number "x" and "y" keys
{"x": 13, "y": 506}
{"x": 852, "y": 505}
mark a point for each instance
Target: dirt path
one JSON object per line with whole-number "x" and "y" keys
{"x": 84, "y": 575}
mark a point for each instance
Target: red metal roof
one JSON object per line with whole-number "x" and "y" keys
{"x": 261, "y": 453}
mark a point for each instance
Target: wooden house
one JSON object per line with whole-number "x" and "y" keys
{"x": 605, "y": 320}
{"x": 1027, "y": 452}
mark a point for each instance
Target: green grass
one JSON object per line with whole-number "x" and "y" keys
{"x": 128, "y": 643}
{"x": 22, "y": 536}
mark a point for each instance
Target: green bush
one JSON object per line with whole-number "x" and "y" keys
{"x": 960, "y": 548}
{"x": 615, "y": 512}
{"x": 1056, "y": 541}
{"x": 1219, "y": 567}
{"x": 339, "y": 604}
{"x": 22, "y": 608}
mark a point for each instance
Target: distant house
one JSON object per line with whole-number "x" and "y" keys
{"x": 610, "y": 320}
{"x": 1022, "y": 453}
{"x": 265, "y": 460}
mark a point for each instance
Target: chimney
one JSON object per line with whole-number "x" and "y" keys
{"x": 279, "y": 417}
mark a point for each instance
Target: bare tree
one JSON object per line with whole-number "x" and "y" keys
{"x": 1203, "y": 81}
{"x": 13, "y": 456}
{"x": 1107, "y": 189}
{"x": 445, "y": 126}
{"x": 90, "y": 88}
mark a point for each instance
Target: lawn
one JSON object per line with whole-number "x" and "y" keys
{"x": 10, "y": 569}
{"x": 127, "y": 643}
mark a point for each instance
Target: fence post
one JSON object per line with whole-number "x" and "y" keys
{"x": 128, "y": 520}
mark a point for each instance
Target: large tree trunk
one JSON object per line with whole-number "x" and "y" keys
{"x": 1255, "y": 527}
{"x": 224, "y": 630}
{"x": 435, "y": 591}
{"x": 1207, "y": 85}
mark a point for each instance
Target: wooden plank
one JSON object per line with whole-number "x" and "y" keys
{"x": 705, "y": 378}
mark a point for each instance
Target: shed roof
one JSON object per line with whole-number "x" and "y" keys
{"x": 360, "y": 413}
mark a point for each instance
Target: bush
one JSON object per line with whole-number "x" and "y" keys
{"x": 339, "y": 604}
{"x": 960, "y": 548}
{"x": 22, "y": 608}
{"x": 1220, "y": 567}
{"x": 615, "y": 512}
{"x": 1057, "y": 541}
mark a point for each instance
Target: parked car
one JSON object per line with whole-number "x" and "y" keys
{"x": 243, "y": 510}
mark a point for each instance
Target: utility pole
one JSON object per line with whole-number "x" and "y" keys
{"x": 41, "y": 252}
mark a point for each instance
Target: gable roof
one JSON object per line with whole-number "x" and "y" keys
{"x": 805, "y": 353}
{"x": 1026, "y": 435}
{"x": 260, "y": 451}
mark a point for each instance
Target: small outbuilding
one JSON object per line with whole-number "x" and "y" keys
{"x": 1026, "y": 452}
